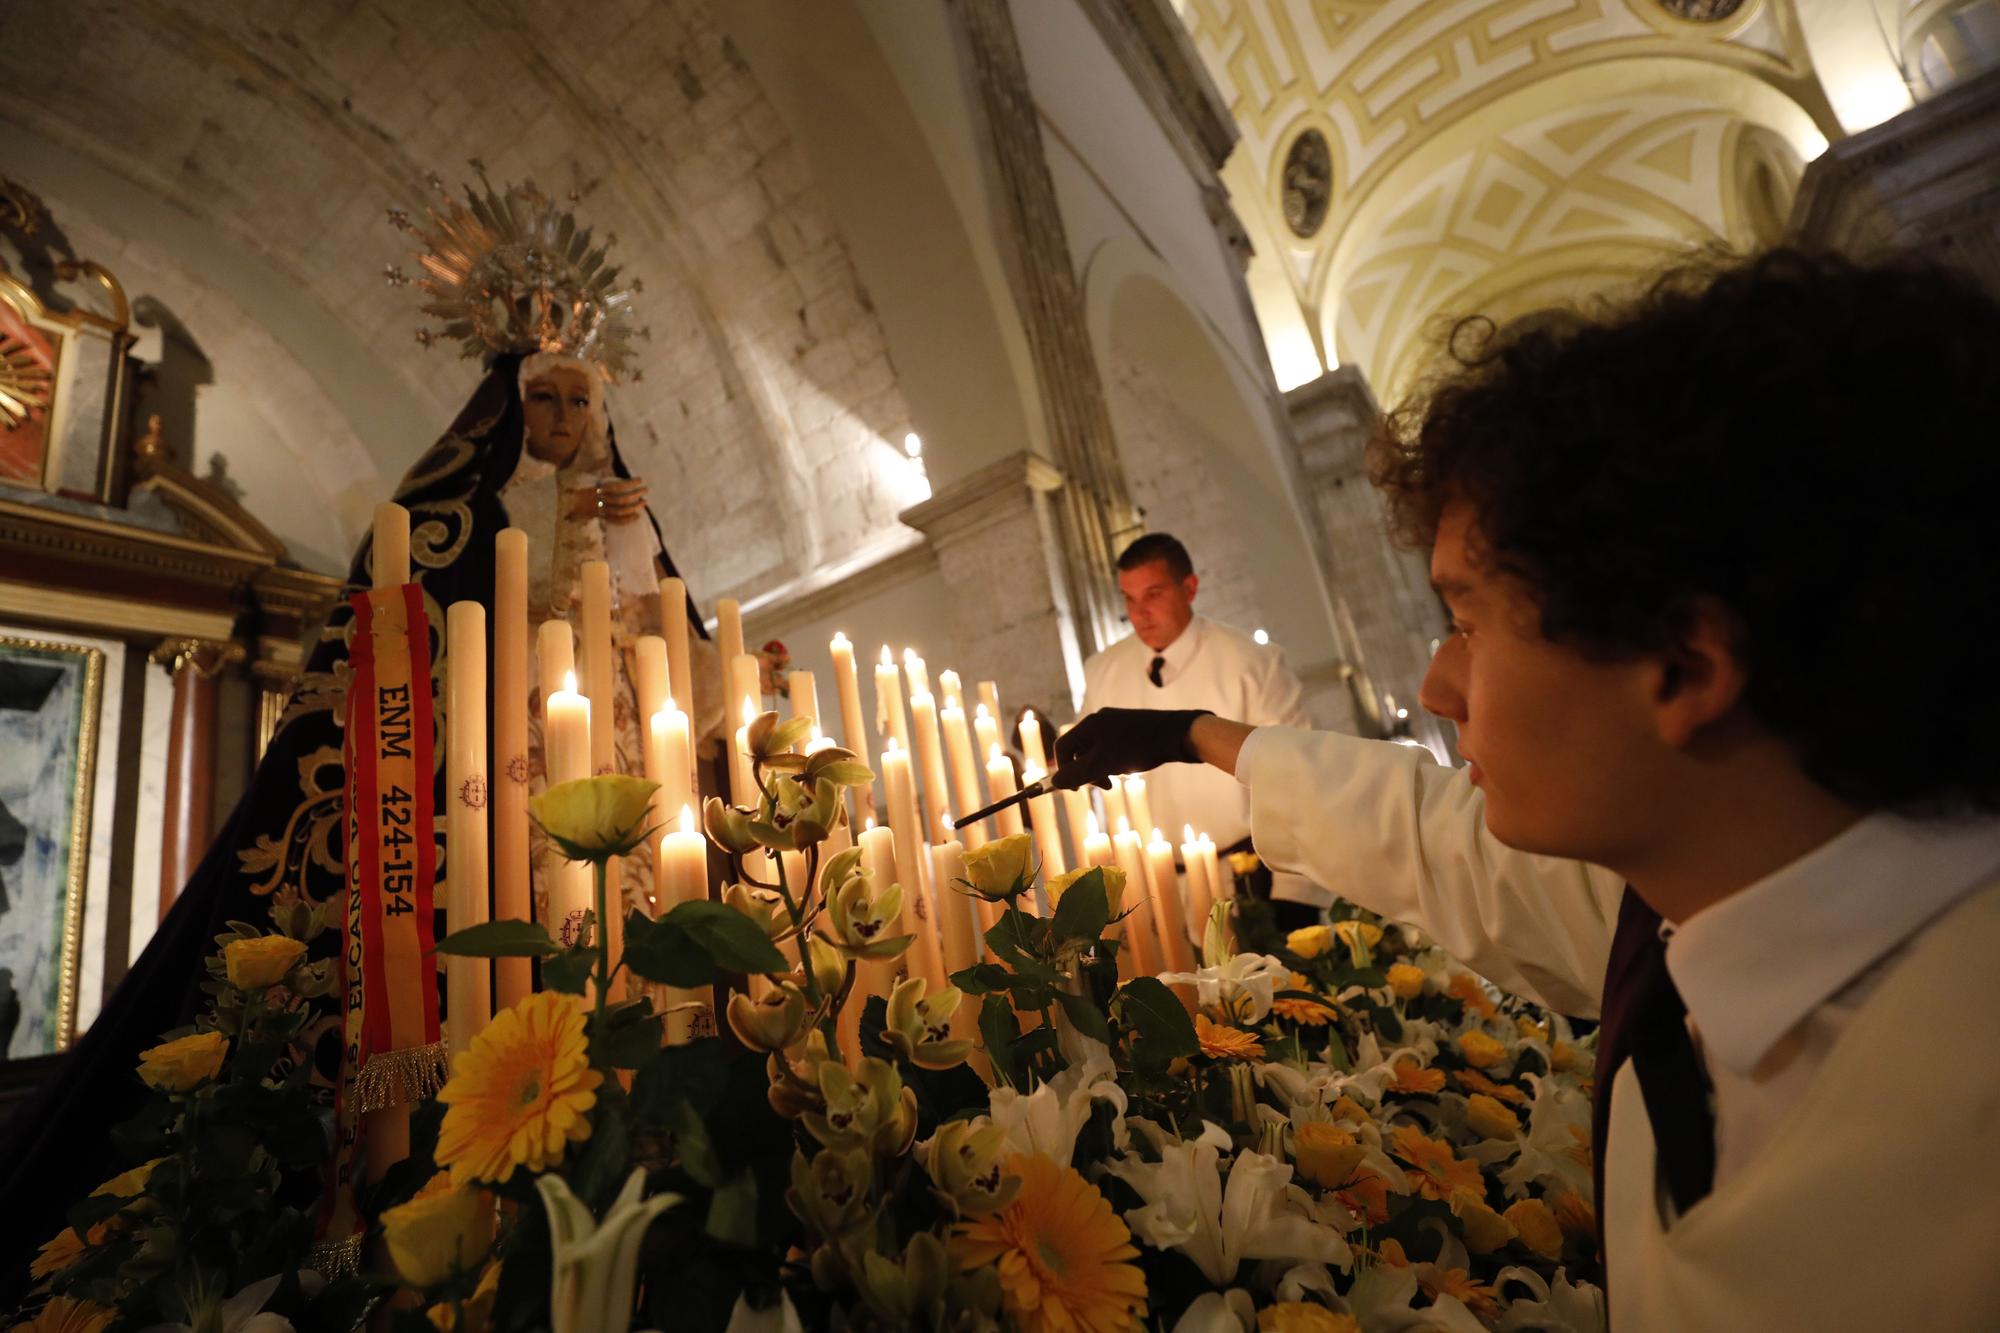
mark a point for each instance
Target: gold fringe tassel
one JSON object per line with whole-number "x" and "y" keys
{"x": 335, "y": 1258}
{"x": 394, "y": 1078}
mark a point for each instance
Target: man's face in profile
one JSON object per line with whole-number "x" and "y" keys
{"x": 1158, "y": 604}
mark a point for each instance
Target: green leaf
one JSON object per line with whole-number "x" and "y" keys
{"x": 666, "y": 953}
{"x": 999, "y": 1030}
{"x": 1163, "y": 1030}
{"x": 1083, "y": 911}
{"x": 732, "y": 1211}
{"x": 732, "y": 939}
{"x": 631, "y": 1036}
{"x": 847, "y": 772}
{"x": 569, "y": 971}
{"x": 1084, "y": 1016}
{"x": 500, "y": 939}
{"x": 691, "y": 1141}
{"x": 982, "y": 978}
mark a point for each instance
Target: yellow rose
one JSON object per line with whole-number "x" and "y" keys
{"x": 478, "y": 1310}
{"x": 440, "y": 1232}
{"x": 1480, "y": 1050}
{"x": 263, "y": 961}
{"x": 595, "y": 818}
{"x": 1326, "y": 1155}
{"x": 1489, "y": 1119}
{"x": 181, "y": 1064}
{"x": 1537, "y": 1227}
{"x": 1485, "y": 1230}
{"x": 1406, "y": 980}
{"x": 1309, "y": 941}
{"x": 1367, "y": 932}
{"x": 1304, "y": 1317}
{"x": 1114, "y": 887}
{"x": 997, "y": 871}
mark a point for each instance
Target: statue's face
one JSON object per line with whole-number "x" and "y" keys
{"x": 557, "y": 408}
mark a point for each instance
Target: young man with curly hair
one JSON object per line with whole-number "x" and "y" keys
{"x": 1732, "y": 785}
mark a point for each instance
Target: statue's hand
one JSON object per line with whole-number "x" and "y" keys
{"x": 622, "y": 500}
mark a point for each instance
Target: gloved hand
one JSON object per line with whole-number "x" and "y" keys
{"x": 1124, "y": 740}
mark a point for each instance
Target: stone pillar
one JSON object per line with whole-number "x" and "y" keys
{"x": 995, "y": 536}
{"x": 1385, "y": 591}
{"x": 188, "y": 821}
{"x": 1928, "y": 180}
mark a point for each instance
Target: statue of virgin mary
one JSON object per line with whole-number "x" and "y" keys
{"x": 517, "y": 284}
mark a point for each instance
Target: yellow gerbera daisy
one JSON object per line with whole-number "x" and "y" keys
{"x": 1063, "y": 1256}
{"x": 1309, "y": 1012}
{"x": 1225, "y": 1043}
{"x": 518, "y": 1096}
{"x": 1436, "y": 1172}
{"x": 63, "y": 1315}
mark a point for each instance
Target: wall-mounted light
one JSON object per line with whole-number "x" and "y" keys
{"x": 913, "y": 446}
{"x": 1260, "y": 636}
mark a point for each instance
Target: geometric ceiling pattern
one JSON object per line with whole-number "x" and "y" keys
{"x": 1493, "y": 150}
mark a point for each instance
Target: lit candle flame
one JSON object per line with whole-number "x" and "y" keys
{"x": 889, "y": 746}
{"x": 1027, "y": 717}
{"x": 1124, "y": 826}
{"x": 1090, "y": 829}
{"x": 1187, "y": 833}
{"x": 687, "y": 819}
{"x": 980, "y": 711}
{"x": 1159, "y": 836}
{"x": 840, "y": 640}
{"x": 659, "y": 722}
{"x": 994, "y": 756}
{"x": 887, "y": 660}
{"x": 870, "y": 825}
{"x": 749, "y": 711}
{"x": 569, "y": 682}
{"x": 910, "y": 655}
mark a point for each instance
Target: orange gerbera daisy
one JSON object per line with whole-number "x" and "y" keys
{"x": 1366, "y": 1195}
{"x": 1474, "y": 1081}
{"x": 1476, "y": 1296}
{"x": 1310, "y": 1012}
{"x": 64, "y": 1315}
{"x": 1225, "y": 1043}
{"x": 1436, "y": 1172}
{"x": 518, "y": 1096}
{"x": 1412, "y": 1077}
{"x": 1063, "y": 1256}
{"x": 1465, "y": 988}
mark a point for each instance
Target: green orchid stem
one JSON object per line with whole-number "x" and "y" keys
{"x": 603, "y": 968}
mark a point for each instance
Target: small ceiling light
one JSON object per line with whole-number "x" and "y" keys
{"x": 1260, "y": 636}
{"x": 912, "y": 446}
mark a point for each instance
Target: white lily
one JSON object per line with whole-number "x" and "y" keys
{"x": 1241, "y": 987}
{"x": 779, "y": 1318}
{"x": 244, "y": 1312}
{"x": 596, "y": 1264}
{"x": 1552, "y": 1151}
{"x": 1231, "y": 1311}
{"x": 1560, "y": 1306}
{"x": 1047, "y": 1120}
{"x": 1257, "y": 1214}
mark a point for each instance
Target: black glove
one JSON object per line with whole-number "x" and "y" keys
{"x": 1124, "y": 740}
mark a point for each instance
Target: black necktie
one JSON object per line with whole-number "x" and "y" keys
{"x": 1153, "y": 671}
{"x": 1645, "y": 1021}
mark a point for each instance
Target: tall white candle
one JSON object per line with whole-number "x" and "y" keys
{"x": 1116, "y": 812}
{"x": 1048, "y": 838}
{"x": 968, "y": 793}
{"x": 989, "y": 697}
{"x": 962, "y": 946}
{"x": 389, "y": 560}
{"x": 512, "y": 898}
{"x": 680, "y": 666}
{"x": 872, "y": 976}
{"x": 1141, "y": 941}
{"x": 599, "y": 673}
{"x": 743, "y": 789}
{"x": 1137, "y": 807}
{"x": 1000, "y": 783}
{"x": 555, "y": 661}
{"x": 900, "y": 796}
{"x": 985, "y": 731}
{"x": 683, "y": 878}
{"x": 889, "y": 719}
{"x": 916, "y": 672}
{"x": 1175, "y": 955}
{"x": 649, "y": 675}
{"x": 853, "y": 731}
{"x": 804, "y": 692}
{"x": 1201, "y": 888}
{"x": 1033, "y": 755}
{"x": 744, "y": 676}
{"x": 1096, "y": 844}
{"x": 729, "y": 628}
{"x": 1076, "y": 813}
{"x": 468, "y": 981}
{"x": 950, "y": 691}
{"x": 566, "y": 742}
{"x": 930, "y": 758}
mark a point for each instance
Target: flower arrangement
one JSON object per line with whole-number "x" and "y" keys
{"x": 1340, "y": 1129}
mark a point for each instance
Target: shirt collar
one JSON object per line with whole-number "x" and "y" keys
{"x": 1182, "y": 650}
{"x": 1752, "y": 966}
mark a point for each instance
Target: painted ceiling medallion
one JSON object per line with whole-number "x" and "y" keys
{"x": 1308, "y": 184}
{"x": 1702, "y": 11}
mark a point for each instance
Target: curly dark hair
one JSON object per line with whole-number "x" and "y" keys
{"x": 1807, "y": 440}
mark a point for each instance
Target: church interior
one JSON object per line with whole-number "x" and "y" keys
{"x": 936, "y": 306}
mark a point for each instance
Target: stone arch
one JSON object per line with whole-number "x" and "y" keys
{"x": 1201, "y": 452}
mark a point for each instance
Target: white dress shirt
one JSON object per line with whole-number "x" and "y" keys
{"x": 1218, "y": 667}
{"x": 1842, "y": 1005}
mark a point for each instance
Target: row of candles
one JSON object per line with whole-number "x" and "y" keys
{"x": 929, "y": 766}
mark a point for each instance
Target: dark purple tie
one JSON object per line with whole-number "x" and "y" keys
{"x": 1644, "y": 1021}
{"x": 1153, "y": 671}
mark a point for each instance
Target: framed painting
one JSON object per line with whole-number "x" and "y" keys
{"x": 50, "y": 694}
